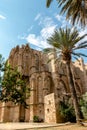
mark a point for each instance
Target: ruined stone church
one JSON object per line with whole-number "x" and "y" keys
{"x": 48, "y": 83}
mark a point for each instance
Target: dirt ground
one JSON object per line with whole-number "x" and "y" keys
{"x": 71, "y": 127}
{"x": 64, "y": 127}
{"x": 42, "y": 126}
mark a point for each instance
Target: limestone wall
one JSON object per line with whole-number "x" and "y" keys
{"x": 80, "y": 72}
{"x": 50, "y": 108}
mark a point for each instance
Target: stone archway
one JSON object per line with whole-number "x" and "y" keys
{"x": 61, "y": 90}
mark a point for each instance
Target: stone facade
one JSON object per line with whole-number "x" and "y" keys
{"x": 48, "y": 83}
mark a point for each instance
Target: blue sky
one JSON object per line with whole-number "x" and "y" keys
{"x": 28, "y": 21}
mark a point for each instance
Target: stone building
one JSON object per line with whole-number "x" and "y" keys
{"x": 48, "y": 83}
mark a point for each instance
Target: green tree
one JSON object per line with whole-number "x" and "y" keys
{"x": 1, "y": 68}
{"x": 65, "y": 43}
{"x": 76, "y": 10}
{"x": 1, "y": 63}
{"x": 14, "y": 87}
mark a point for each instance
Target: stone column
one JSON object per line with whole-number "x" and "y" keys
{"x": 84, "y": 76}
{"x": 2, "y": 112}
{"x": 32, "y": 100}
{"x": 20, "y": 61}
{"x": 52, "y": 62}
{"x": 15, "y": 112}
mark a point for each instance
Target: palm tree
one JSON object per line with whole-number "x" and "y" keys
{"x": 76, "y": 10}
{"x": 65, "y": 43}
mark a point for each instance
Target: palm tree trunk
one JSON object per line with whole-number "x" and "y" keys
{"x": 73, "y": 93}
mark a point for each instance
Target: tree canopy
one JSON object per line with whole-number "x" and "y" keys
{"x": 14, "y": 87}
{"x": 65, "y": 42}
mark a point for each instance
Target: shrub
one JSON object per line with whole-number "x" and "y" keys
{"x": 67, "y": 112}
{"x": 37, "y": 119}
{"x": 83, "y": 105}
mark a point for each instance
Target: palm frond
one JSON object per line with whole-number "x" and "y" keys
{"x": 82, "y": 37}
{"x": 75, "y": 54}
{"x": 76, "y": 59}
{"x": 48, "y": 50}
{"x": 65, "y": 5}
{"x": 79, "y": 54}
{"x": 82, "y": 45}
{"x": 74, "y": 10}
{"x": 48, "y": 2}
